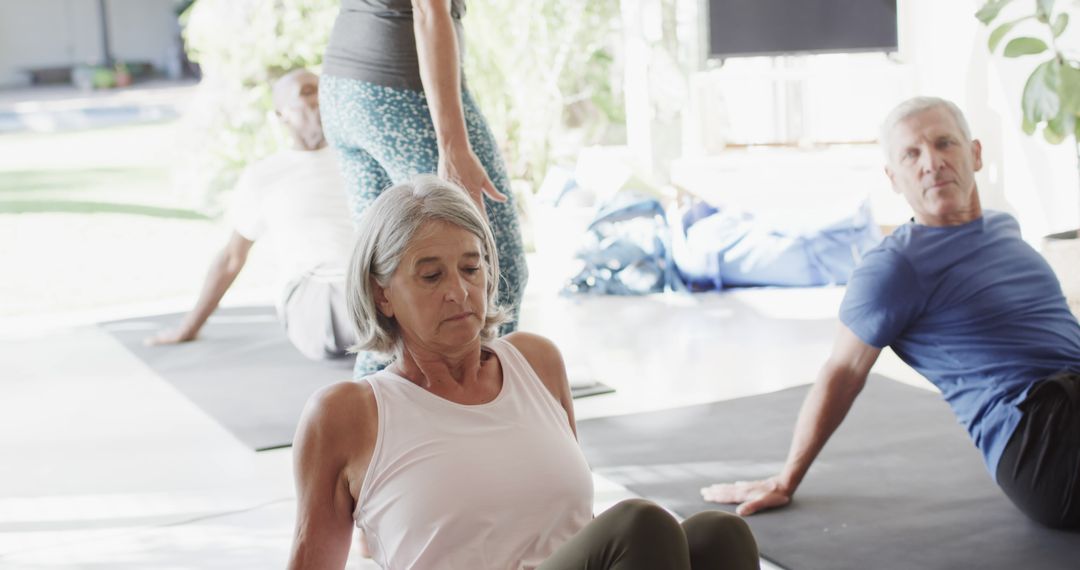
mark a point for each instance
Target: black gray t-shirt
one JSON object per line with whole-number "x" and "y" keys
{"x": 373, "y": 41}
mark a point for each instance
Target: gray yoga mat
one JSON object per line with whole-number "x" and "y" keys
{"x": 899, "y": 486}
{"x": 243, "y": 371}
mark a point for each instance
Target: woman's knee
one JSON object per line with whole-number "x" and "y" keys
{"x": 709, "y": 524}
{"x": 641, "y": 519}
{"x": 719, "y": 539}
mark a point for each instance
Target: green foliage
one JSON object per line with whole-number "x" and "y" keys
{"x": 990, "y": 10}
{"x": 1024, "y": 46}
{"x": 241, "y": 47}
{"x": 542, "y": 71}
{"x": 1059, "y": 25}
{"x": 1051, "y": 96}
{"x": 999, "y": 33}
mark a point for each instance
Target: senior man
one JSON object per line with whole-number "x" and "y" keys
{"x": 964, "y": 301}
{"x": 294, "y": 199}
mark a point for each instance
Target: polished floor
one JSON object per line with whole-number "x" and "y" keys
{"x": 105, "y": 465}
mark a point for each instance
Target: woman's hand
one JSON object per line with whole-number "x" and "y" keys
{"x": 461, "y": 166}
{"x": 752, "y": 496}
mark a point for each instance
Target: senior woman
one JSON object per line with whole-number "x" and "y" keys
{"x": 462, "y": 454}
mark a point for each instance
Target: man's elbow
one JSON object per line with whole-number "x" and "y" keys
{"x": 232, "y": 261}
{"x": 844, "y": 378}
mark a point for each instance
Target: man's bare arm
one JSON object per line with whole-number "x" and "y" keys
{"x": 825, "y": 406}
{"x": 223, "y": 271}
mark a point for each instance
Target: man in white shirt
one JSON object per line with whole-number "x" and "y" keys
{"x": 295, "y": 200}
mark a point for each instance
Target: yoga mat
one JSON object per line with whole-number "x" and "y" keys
{"x": 243, "y": 371}
{"x": 899, "y": 485}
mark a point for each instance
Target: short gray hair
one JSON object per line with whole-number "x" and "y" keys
{"x": 385, "y": 230}
{"x": 917, "y": 105}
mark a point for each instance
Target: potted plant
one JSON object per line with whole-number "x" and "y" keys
{"x": 1050, "y": 102}
{"x": 122, "y": 74}
{"x": 103, "y": 78}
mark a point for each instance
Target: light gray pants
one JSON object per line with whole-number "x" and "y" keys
{"x": 315, "y": 316}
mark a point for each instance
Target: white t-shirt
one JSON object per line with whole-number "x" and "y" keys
{"x": 295, "y": 200}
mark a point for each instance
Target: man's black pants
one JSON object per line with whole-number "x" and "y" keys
{"x": 1040, "y": 467}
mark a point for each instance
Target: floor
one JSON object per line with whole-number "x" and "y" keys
{"x": 106, "y": 466}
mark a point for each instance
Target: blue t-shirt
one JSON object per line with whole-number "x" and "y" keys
{"x": 975, "y": 310}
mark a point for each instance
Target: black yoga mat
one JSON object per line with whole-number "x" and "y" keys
{"x": 243, "y": 371}
{"x": 899, "y": 486}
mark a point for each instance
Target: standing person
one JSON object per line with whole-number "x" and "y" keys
{"x": 462, "y": 454}
{"x": 395, "y": 104}
{"x": 961, "y": 298}
{"x": 292, "y": 199}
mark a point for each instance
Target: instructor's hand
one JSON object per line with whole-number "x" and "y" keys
{"x": 752, "y": 496}
{"x": 463, "y": 167}
{"x": 169, "y": 336}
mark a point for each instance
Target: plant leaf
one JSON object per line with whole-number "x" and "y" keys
{"x": 1069, "y": 89}
{"x": 1052, "y": 134}
{"x": 999, "y": 33}
{"x": 1043, "y": 9}
{"x": 1062, "y": 126}
{"x": 1024, "y": 46}
{"x": 990, "y": 10}
{"x": 1060, "y": 23}
{"x": 1040, "y": 101}
{"x": 1027, "y": 126}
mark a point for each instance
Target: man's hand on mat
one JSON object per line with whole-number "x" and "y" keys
{"x": 169, "y": 336}
{"x": 752, "y": 496}
{"x": 462, "y": 166}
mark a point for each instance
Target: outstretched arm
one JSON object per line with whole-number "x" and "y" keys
{"x": 440, "y": 73}
{"x": 223, "y": 271}
{"x": 825, "y": 406}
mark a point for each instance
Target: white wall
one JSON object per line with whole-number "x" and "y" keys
{"x": 144, "y": 30}
{"x": 943, "y": 52}
{"x": 59, "y": 33}
{"x": 946, "y": 48}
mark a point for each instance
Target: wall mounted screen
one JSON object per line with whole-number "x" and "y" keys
{"x": 777, "y": 27}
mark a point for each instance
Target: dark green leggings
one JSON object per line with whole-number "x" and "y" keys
{"x": 639, "y": 535}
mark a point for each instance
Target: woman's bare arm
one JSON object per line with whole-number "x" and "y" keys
{"x": 440, "y": 73}
{"x": 332, "y": 448}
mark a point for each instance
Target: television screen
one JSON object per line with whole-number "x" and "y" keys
{"x": 776, "y": 27}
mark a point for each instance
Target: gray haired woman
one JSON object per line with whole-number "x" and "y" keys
{"x": 462, "y": 454}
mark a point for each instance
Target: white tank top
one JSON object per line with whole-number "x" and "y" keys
{"x": 495, "y": 486}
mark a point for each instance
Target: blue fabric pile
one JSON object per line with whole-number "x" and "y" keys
{"x": 626, "y": 250}
{"x": 633, "y": 248}
{"x": 717, "y": 247}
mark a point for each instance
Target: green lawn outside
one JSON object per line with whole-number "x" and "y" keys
{"x": 114, "y": 170}
{"x": 90, "y": 220}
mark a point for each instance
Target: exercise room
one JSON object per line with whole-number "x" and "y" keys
{"x": 477, "y": 285}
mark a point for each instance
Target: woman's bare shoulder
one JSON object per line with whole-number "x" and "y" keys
{"x": 343, "y": 397}
{"x": 545, "y": 359}
{"x": 538, "y": 350}
{"x": 341, "y": 412}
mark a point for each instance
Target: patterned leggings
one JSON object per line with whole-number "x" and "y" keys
{"x": 384, "y": 136}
